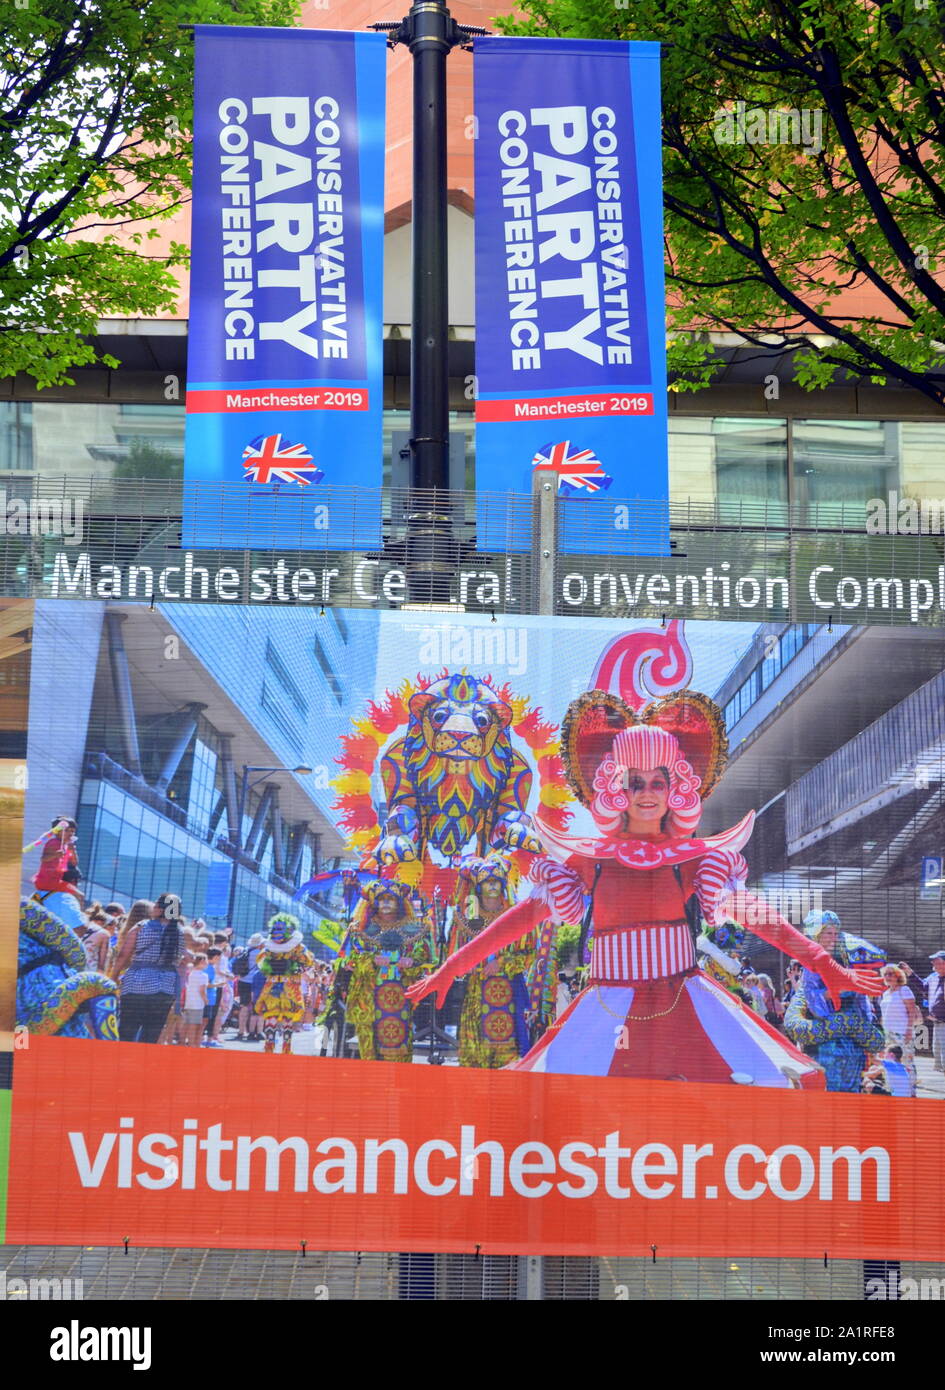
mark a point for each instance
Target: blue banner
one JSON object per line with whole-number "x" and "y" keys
{"x": 284, "y": 390}
{"x": 570, "y": 325}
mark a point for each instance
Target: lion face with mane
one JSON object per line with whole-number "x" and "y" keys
{"x": 460, "y": 718}
{"x": 455, "y": 772}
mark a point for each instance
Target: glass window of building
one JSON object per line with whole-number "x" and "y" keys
{"x": 202, "y": 798}
{"x": 462, "y": 422}
{"x": 736, "y": 463}
{"x": 281, "y": 672}
{"x": 750, "y": 458}
{"x": 922, "y": 459}
{"x": 112, "y": 441}
{"x": 840, "y": 464}
{"x": 750, "y": 468}
{"x": 16, "y": 436}
{"x": 331, "y": 676}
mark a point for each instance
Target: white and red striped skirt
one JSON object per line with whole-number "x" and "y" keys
{"x": 649, "y": 1012}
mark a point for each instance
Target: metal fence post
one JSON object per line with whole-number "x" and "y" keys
{"x": 544, "y": 540}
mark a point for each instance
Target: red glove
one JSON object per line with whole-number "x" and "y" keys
{"x": 837, "y": 978}
{"x": 762, "y": 919}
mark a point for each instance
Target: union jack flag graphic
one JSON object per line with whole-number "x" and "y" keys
{"x": 577, "y": 469}
{"x": 272, "y": 459}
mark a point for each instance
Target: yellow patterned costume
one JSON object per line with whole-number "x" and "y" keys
{"x": 385, "y": 956}
{"x": 492, "y": 1027}
{"x": 282, "y": 960}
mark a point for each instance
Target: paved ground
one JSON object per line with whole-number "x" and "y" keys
{"x": 930, "y": 1083}
{"x": 308, "y": 1043}
{"x": 178, "y": 1275}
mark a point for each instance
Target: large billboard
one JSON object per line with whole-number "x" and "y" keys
{"x": 284, "y": 377}
{"x": 538, "y": 936}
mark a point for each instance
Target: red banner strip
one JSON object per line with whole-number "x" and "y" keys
{"x": 233, "y": 399}
{"x": 556, "y": 408}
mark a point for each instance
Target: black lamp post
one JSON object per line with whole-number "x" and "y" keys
{"x": 430, "y": 32}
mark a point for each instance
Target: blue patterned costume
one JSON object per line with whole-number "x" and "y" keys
{"x": 842, "y": 1040}
{"x": 55, "y": 991}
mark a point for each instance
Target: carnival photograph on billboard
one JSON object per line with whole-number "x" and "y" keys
{"x": 679, "y": 883}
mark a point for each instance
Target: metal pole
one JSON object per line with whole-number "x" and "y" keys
{"x": 428, "y": 524}
{"x": 233, "y": 828}
{"x": 236, "y": 844}
{"x": 187, "y": 721}
{"x": 430, "y": 32}
{"x": 429, "y": 42}
{"x": 544, "y": 539}
{"x": 530, "y": 1268}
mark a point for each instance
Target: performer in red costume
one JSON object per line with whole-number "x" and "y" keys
{"x": 642, "y": 770}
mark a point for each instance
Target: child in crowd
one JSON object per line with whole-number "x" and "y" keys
{"x": 888, "y": 1075}
{"x": 195, "y": 1001}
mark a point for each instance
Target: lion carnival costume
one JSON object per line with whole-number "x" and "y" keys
{"x": 454, "y": 782}
{"x": 492, "y": 1025}
{"x": 647, "y": 1010}
{"x": 386, "y": 951}
{"x": 282, "y": 959}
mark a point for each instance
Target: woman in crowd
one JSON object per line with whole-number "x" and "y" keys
{"x": 900, "y": 1014}
{"x": 226, "y": 982}
{"x": 249, "y": 982}
{"x": 139, "y": 912}
{"x": 147, "y": 968}
{"x": 791, "y": 981}
{"x": 174, "y": 1030}
{"x": 194, "y": 1001}
{"x": 769, "y": 1000}
{"x": 93, "y": 933}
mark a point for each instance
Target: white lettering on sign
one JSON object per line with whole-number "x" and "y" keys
{"x": 551, "y": 158}
{"x": 282, "y": 188}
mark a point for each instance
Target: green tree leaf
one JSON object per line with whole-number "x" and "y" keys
{"x": 829, "y": 177}
{"x": 96, "y": 111}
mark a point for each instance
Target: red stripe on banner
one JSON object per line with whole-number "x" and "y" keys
{"x": 565, "y": 407}
{"x": 234, "y": 399}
